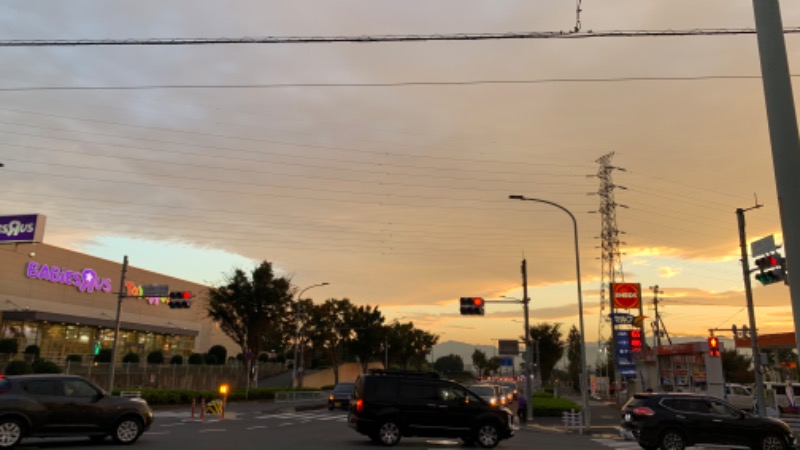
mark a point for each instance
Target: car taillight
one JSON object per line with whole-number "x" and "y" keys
{"x": 643, "y": 411}
{"x": 360, "y": 405}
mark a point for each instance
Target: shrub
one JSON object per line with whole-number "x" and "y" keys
{"x": 45, "y": 366}
{"x": 131, "y": 358}
{"x": 220, "y": 352}
{"x": 195, "y": 359}
{"x": 10, "y": 346}
{"x": 18, "y": 368}
{"x": 547, "y": 406}
{"x": 75, "y": 358}
{"x": 32, "y": 350}
{"x": 155, "y": 357}
{"x": 210, "y": 359}
{"x": 176, "y": 359}
{"x": 104, "y": 356}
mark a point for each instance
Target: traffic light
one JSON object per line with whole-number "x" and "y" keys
{"x": 713, "y": 347}
{"x": 180, "y": 299}
{"x": 97, "y": 346}
{"x": 471, "y": 306}
{"x": 772, "y": 268}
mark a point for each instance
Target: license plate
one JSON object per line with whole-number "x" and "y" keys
{"x": 627, "y": 417}
{"x": 337, "y": 404}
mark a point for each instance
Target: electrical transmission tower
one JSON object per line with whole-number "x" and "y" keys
{"x": 611, "y": 257}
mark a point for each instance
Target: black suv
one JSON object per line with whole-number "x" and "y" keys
{"x": 675, "y": 421}
{"x": 67, "y": 405}
{"x": 389, "y": 404}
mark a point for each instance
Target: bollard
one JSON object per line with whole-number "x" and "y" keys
{"x": 202, "y": 409}
{"x": 193, "y": 403}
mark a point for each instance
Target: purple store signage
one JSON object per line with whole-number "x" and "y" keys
{"x": 85, "y": 280}
{"x": 22, "y": 228}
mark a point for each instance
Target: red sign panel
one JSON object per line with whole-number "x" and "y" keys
{"x": 626, "y": 295}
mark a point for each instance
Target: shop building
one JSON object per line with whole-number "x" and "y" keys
{"x": 65, "y": 302}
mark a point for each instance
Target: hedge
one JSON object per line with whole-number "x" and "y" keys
{"x": 547, "y": 406}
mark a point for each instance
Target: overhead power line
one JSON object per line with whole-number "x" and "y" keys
{"x": 381, "y": 38}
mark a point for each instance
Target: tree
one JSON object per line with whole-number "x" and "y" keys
{"x": 736, "y": 367}
{"x": 220, "y": 352}
{"x": 480, "y": 361}
{"x": 448, "y": 365}
{"x": 155, "y": 357}
{"x": 493, "y": 364}
{"x": 131, "y": 358}
{"x": 9, "y": 346}
{"x": 330, "y": 329}
{"x": 18, "y": 368}
{"x": 253, "y": 311}
{"x": 367, "y": 332}
{"x": 551, "y": 349}
{"x": 176, "y": 359}
{"x": 45, "y": 366}
{"x": 574, "y": 357}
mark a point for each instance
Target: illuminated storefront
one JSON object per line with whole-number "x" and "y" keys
{"x": 65, "y": 303}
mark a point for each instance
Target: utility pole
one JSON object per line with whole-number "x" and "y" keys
{"x": 120, "y": 297}
{"x": 657, "y": 335}
{"x": 528, "y": 352}
{"x": 751, "y": 312}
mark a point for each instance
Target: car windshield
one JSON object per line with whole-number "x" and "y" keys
{"x": 343, "y": 387}
{"x": 484, "y": 391}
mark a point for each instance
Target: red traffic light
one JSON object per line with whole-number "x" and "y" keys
{"x": 472, "y": 306}
{"x": 180, "y": 295}
{"x": 713, "y": 346}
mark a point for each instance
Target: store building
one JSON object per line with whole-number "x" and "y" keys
{"x": 66, "y": 303}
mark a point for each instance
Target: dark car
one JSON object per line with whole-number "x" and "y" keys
{"x": 340, "y": 396}
{"x": 388, "y": 405}
{"x": 674, "y": 421}
{"x": 67, "y": 405}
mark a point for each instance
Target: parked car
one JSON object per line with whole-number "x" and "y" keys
{"x": 340, "y": 396}
{"x": 739, "y": 396}
{"x": 674, "y": 421}
{"x": 388, "y": 405}
{"x": 67, "y": 405}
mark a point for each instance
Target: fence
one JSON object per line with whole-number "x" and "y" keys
{"x": 298, "y": 396}
{"x": 173, "y": 376}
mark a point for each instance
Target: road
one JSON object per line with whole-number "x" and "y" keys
{"x": 256, "y": 426}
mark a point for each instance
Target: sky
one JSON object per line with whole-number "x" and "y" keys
{"x": 384, "y": 169}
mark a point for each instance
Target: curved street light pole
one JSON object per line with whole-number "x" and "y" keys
{"x": 297, "y": 331}
{"x": 587, "y": 415}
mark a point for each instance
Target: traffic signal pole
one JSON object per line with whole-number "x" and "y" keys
{"x": 748, "y": 290}
{"x": 783, "y": 133}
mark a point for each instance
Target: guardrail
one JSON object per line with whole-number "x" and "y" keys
{"x": 298, "y": 396}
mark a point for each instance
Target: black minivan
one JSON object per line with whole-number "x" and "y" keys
{"x": 388, "y": 405}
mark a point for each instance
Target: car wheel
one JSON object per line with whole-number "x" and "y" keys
{"x": 672, "y": 440}
{"x": 127, "y": 430}
{"x": 487, "y": 435}
{"x": 389, "y": 433}
{"x": 10, "y": 433}
{"x": 772, "y": 442}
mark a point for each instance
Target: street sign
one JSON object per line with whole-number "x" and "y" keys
{"x": 506, "y": 361}
{"x": 155, "y": 290}
{"x": 763, "y": 246}
{"x": 622, "y": 318}
{"x": 508, "y": 347}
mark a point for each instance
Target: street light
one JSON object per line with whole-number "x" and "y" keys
{"x": 297, "y": 331}
{"x": 587, "y": 416}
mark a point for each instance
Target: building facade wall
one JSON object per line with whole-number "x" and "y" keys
{"x": 85, "y": 288}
